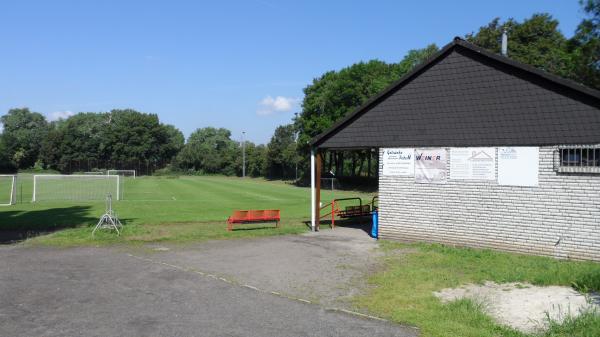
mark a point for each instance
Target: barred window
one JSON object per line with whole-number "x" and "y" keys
{"x": 579, "y": 159}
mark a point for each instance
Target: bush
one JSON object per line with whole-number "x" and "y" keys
{"x": 167, "y": 171}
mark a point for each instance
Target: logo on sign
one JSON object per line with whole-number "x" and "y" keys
{"x": 508, "y": 153}
{"x": 420, "y": 156}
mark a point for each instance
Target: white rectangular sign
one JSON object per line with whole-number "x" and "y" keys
{"x": 398, "y": 162}
{"x": 518, "y": 166}
{"x": 430, "y": 166}
{"x": 474, "y": 163}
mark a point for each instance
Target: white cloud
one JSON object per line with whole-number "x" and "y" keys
{"x": 269, "y": 105}
{"x": 56, "y": 115}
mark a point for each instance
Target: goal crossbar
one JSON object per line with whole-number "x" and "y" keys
{"x": 13, "y": 189}
{"x": 90, "y": 187}
{"x": 121, "y": 173}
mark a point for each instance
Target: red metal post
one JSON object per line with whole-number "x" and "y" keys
{"x": 332, "y": 213}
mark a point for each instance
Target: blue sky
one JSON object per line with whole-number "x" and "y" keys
{"x": 240, "y": 65}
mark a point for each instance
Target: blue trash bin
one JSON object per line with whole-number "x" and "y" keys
{"x": 375, "y": 226}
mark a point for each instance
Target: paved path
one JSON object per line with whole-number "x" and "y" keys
{"x": 111, "y": 292}
{"x": 327, "y": 267}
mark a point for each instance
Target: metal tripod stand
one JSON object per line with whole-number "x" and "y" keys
{"x": 109, "y": 219}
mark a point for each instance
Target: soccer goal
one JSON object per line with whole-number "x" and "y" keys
{"x": 122, "y": 173}
{"x": 8, "y": 189}
{"x": 76, "y": 187}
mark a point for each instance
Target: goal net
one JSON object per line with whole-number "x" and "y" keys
{"x": 76, "y": 187}
{"x": 8, "y": 189}
{"x": 122, "y": 173}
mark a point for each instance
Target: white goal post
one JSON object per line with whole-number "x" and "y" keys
{"x": 8, "y": 185}
{"x": 76, "y": 187}
{"x": 123, "y": 173}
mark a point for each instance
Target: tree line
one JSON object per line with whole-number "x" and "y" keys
{"x": 129, "y": 138}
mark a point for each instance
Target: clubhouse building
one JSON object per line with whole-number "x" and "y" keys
{"x": 478, "y": 150}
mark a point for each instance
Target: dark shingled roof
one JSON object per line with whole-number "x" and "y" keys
{"x": 466, "y": 96}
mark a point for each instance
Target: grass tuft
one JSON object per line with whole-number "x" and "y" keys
{"x": 585, "y": 325}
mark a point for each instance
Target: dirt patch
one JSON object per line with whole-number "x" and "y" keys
{"x": 521, "y": 305}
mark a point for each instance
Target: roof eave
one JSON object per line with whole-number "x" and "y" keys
{"x": 457, "y": 41}
{"x": 317, "y": 139}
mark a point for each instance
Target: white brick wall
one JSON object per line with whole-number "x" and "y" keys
{"x": 560, "y": 217}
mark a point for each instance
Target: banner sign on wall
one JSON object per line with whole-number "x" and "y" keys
{"x": 398, "y": 162}
{"x": 430, "y": 166}
{"x": 475, "y": 163}
{"x": 518, "y": 166}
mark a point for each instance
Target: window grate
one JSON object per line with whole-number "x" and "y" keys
{"x": 579, "y": 159}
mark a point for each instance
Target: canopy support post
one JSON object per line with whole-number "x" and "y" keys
{"x": 315, "y": 188}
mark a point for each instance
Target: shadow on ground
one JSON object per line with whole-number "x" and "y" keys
{"x": 20, "y": 225}
{"x": 241, "y": 229}
{"x": 363, "y": 223}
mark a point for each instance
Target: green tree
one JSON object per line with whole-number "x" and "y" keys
{"x": 6, "y": 164}
{"x": 109, "y": 140}
{"x": 281, "y": 153}
{"x": 586, "y": 46}
{"x": 51, "y": 149}
{"x": 336, "y": 93}
{"x": 535, "y": 41}
{"x": 81, "y": 138}
{"x": 257, "y": 160}
{"x": 209, "y": 150}
{"x": 174, "y": 144}
{"x": 135, "y": 136}
{"x": 22, "y": 136}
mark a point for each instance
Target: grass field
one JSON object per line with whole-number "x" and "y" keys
{"x": 403, "y": 290}
{"x": 164, "y": 208}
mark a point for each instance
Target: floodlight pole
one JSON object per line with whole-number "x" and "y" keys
{"x": 296, "y": 135}
{"x": 243, "y": 155}
{"x": 296, "y": 154}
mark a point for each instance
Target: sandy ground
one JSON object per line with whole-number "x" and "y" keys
{"x": 520, "y": 305}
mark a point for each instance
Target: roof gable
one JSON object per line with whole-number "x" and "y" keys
{"x": 465, "y": 96}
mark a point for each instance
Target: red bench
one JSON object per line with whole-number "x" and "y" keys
{"x": 254, "y": 215}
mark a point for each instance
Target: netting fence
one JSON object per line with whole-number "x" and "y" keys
{"x": 141, "y": 167}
